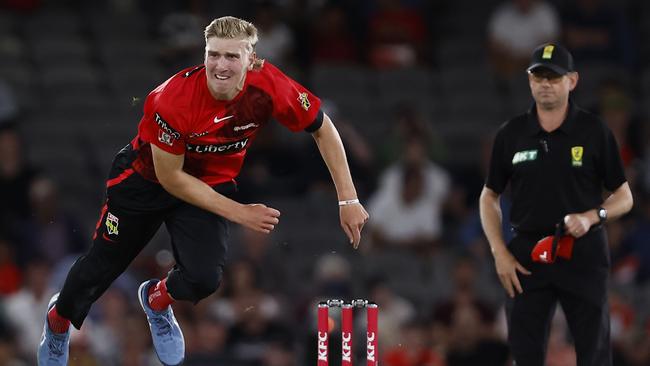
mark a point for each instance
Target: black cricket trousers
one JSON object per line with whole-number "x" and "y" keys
{"x": 578, "y": 285}
{"x": 135, "y": 209}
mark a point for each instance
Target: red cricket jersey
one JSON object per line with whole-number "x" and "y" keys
{"x": 182, "y": 117}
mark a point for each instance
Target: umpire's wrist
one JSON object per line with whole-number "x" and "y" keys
{"x": 592, "y": 216}
{"x": 498, "y": 249}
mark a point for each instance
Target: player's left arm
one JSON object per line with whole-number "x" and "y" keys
{"x": 353, "y": 216}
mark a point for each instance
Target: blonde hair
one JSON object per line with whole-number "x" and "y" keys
{"x": 231, "y": 27}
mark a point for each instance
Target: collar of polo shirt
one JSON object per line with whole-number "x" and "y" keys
{"x": 533, "y": 127}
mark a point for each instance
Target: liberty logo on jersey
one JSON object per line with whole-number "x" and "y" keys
{"x": 227, "y": 148}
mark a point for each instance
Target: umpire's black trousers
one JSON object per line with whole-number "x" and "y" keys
{"x": 135, "y": 209}
{"x": 578, "y": 285}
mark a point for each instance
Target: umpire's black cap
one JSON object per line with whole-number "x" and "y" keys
{"x": 552, "y": 56}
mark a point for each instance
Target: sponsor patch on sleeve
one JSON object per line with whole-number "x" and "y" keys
{"x": 304, "y": 101}
{"x": 167, "y": 134}
{"x": 165, "y": 138}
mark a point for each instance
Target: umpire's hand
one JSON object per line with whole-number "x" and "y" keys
{"x": 507, "y": 267}
{"x": 577, "y": 224}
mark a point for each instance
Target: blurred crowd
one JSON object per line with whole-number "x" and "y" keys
{"x": 423, "y": 258}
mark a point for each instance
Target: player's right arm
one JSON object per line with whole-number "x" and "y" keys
{"x": 505, "y": 263}
{"x": 170, "y": 174}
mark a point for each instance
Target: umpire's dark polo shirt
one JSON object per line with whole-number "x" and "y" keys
{"x": 552, "y": 174}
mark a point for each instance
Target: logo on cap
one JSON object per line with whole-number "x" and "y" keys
{"x": 548, "y": 52}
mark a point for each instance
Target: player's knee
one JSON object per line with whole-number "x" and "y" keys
{"x": 207, "y": 284}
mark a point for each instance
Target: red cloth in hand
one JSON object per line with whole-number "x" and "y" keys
{"x": 543, "y": 250}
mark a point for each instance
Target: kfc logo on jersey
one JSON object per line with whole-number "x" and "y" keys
{"x": 304, "y": 101}
{"x": 165, "y": 138}
{"x": 228, "y": 148}
{"x": 166, "y": 127}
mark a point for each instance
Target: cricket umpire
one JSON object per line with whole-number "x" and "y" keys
{"x": 566, "y": 180}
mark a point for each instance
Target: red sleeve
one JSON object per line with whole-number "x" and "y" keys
{"x": 293, "y": 105}
{"x": 162, "y": 127}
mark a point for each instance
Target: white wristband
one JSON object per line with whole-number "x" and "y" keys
{"x": 348, "y": 202}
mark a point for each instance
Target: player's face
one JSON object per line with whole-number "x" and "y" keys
{"x": 549, "y": 89}
{"x": 226, "y": 64}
